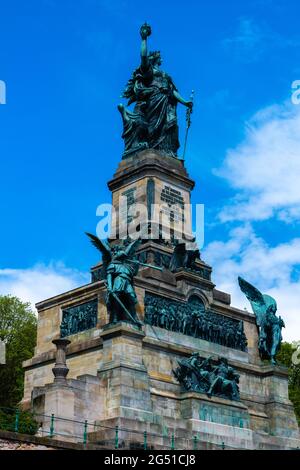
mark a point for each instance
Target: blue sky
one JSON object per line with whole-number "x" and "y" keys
{"x": 65, "y": 64}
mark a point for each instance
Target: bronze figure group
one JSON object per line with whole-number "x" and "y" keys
{"x": 203, "y": 376}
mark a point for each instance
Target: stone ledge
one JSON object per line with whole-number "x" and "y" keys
{"x": 250, "y": 400}
{"x": 121, "y": 329}
{"x": 68, "y": 296}
{"x": 165, "y": 276}
{"x": 214, "y": 399}
{"x": 74, "y": 349}
{"x": 123, "y": 365}
{"x": 198, "y": 396}
{"x": 164, "y": 340}
{"x": 174, "y": 348}
{"x": 150, "y": 163}
{"x": 221, "y": 297}
{"x": 194, "y": 279}
{"x": 233, "y": 436}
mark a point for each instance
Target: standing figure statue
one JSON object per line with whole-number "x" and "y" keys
{"x": 153, "y": 123}
{"x": 269, "y": 325}
{"x": 119, "y": 268}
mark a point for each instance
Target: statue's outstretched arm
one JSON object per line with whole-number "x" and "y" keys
{"x": 145, "y": 32}
{"x": 144, "y": 54}
{"x": 181, "y": 100}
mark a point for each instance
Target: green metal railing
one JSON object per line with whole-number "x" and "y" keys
{"x": 115, "y": 437}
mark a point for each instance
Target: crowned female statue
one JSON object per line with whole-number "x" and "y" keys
{"x": 153, "y": 123}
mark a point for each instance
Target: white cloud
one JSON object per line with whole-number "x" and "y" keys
{"x": 270, "y": 269}
{"x": 265, "y": 168}
{"x": 40, "y": 282}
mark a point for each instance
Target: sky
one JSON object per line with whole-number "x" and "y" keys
{"x": 65, "y": 64}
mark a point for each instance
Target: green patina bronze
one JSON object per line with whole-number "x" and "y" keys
{"x": 79, "y": 318}
{"x": 269, "y": 325}
{"x": 184, "y": 257}
{"x": 192, "y": 319}
{"x": 153, "y": 122}
{"x": 201, "y": 375}
{"x": 120, "y": 265}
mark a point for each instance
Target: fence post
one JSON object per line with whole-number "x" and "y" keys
{"x": 145, "y": 440}
{"x": 117, "y": 438}
{"x": 51, "y": 434}
{"x": 195, "y": 442}
{"x": 85, "y": 433}
{"x": 173, "y": 442}
{"x": 17, "y": 420}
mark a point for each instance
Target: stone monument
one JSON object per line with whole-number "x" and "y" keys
{"x": 150, "y": 344}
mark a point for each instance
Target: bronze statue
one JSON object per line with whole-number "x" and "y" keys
{"x": 224, "y": 381}
{"x": 183, "y": 257}
{"x": 269, "y": 325}
{"x": 202, "y": 376}
{"x": 191, "y": 318}
{"x": 119, "y": 268}
{"x": 153, "y": 123}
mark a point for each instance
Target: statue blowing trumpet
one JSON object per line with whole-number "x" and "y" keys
{"x": 144, "y": 264}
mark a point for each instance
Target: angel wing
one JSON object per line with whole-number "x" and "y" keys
{"x": 104, "y": 247}
{"x": 256, "y": 299}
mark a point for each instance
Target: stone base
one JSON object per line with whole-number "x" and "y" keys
{"x": 71, "y": 403}
{"x": 133, "y": 392}
{"x": 122, "y": 373}
{"x": 215, "y": 421}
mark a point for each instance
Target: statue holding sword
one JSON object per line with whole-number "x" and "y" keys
{"x": 120, "y": 266}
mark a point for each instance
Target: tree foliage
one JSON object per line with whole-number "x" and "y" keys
{"x": 18, "y": 327}
{"x": 285, "y": 357}
{"x": 18, "y": 421}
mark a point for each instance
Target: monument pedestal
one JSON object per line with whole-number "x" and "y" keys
{"x": 123, "y": 374}
{"x": 59, "y": 402}
{"x": 217, "y": 420}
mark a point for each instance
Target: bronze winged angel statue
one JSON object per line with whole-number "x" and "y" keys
{"x": 269, "y": 325}
{"x": 120, "y": 265}
{"x": 119, "y": 268}
{"x": 183, "y": 257}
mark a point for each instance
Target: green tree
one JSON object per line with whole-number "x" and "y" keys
{"x": 18, "y": 327}
{"x": 285, "y": 357}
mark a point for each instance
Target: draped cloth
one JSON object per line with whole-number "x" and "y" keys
{"x": 153, "y": 92}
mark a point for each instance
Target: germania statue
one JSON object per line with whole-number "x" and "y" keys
{"x": 153, "y": 122}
